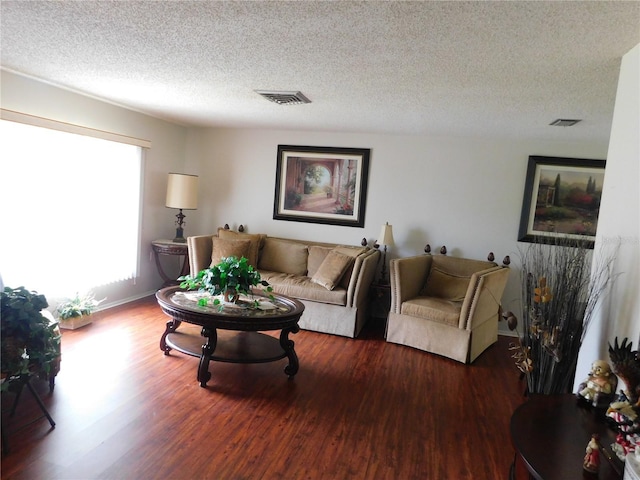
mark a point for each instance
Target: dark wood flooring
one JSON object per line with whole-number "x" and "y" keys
{"x": 357, "y": 409}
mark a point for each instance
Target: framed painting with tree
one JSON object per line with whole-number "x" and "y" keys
{"x": 561, "y": 200}
{"x": 321, "y": 185}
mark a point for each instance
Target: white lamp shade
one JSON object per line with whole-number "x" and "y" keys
{"x": 182, "y": 191}
{"x": 386, "y": 235}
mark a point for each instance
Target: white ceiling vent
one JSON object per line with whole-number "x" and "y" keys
{"x": 284, "y": 98}
{"x": 564, "y": 122}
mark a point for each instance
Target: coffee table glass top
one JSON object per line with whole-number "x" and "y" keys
{"x": 256, "y": 305}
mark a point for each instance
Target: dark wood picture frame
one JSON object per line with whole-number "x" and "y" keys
{"x": 321, "y": 185}
{"x": 561, "y": 200}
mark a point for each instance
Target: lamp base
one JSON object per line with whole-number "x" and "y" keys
{"x": 179, "y": 236}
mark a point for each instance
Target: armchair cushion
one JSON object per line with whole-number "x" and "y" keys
{"x": 433, "y": 309}
{"x": 223, "y": 248}
{"x": 332, "y": 269}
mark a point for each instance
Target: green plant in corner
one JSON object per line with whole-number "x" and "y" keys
{"x": 231, "y": 277}
{"x": 78, "y": 306}
{"x": 30, "y": 344}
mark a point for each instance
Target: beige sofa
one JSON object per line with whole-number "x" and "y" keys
{"x": 331, "y": 280}
{"x": 445, "y": 305}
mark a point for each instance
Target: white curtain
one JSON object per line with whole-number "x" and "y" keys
{"x": 70, "y": 208}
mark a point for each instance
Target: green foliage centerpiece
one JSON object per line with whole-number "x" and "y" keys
{"x": 231, "y": 277}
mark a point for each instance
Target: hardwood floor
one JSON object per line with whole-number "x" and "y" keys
{"x": 357, "y": 409}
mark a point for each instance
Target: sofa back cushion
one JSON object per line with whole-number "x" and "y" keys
{"x": 223, "y": 248}
{"x": 283, "y": 256}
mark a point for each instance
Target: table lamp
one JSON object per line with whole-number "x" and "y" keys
{"x": 182, "y": 193}
{"x": 385, "y": 239}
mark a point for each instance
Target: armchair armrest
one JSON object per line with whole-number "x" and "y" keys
{"x": 407, "y": 277}
{"x": 362, "y": 276}
{"x": 483, "y": 298}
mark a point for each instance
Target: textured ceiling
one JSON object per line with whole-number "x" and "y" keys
{"x": 440, "y": 68}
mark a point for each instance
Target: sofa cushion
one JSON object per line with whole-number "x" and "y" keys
{"x": 283, "y": 256}
{"x": 445, "y": 285}
{"x": 257, "y": 241}
{"x": 223, "y": 248}
{"x": 303, "y": 288}
{"x": 432, "y": 308}
{"x": 332, "y": 269}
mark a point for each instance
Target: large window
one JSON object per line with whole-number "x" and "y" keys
{"x": 70, "y": 207}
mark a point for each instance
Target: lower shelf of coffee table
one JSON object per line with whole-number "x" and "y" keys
{"x": 231, "y": 346}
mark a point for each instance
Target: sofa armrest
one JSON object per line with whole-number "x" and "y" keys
{"x": 407, "y": 277}
{"x": 200, "y": 248}
{"x": 364, "y": 270}
{"x": 484, "y": 296}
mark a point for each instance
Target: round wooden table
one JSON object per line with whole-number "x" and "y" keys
{"x": 550, "y": 434}
{"x": 231, "y": 331}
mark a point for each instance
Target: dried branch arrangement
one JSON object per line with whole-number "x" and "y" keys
{"x": 561, "y": 288}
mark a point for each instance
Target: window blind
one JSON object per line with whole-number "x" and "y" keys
{"x": 71, "y": 208}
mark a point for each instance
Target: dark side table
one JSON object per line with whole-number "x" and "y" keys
{"x": 169, "y": 247}
{"x": 550, "y": 434}
{"x": 380, "y": 300}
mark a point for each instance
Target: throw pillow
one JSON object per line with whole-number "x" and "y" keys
{"x": 284, "y": 257}
{"x": 256, "y": 239}
{"x": 223, "y": 248}
{"x": 332, "y": 269}
{"x": 317, "y": 254}
{"x": 445, "y": 285}
{"x": 352, "y": 252}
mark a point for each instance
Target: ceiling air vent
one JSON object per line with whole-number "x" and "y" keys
{"x": 284, "y": 98}
{"x": 564, "y": 122}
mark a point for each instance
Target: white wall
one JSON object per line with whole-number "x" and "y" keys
{"x": 619, "y": 221}
{"x": 167, "y": 153}
{"x": 462, "y": 193}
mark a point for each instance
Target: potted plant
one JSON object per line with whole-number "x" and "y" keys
{"x": 30, "y": 344}
{"x": 76, "y": 312}
{"x": 230, "y": 278}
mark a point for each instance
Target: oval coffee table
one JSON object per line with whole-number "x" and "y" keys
{"x": 231, "y": 331}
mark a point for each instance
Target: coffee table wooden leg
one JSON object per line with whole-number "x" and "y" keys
{"x": 287, "y": 345}
{"x": 172, "y": 325}
{"x": 207, "y": 350}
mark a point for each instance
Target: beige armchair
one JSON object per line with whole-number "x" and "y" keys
{"x": 445, "y": 305}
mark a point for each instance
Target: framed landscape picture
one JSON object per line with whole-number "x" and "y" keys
{"x": 561, "y": 200}
{"x": 321, "y": 185}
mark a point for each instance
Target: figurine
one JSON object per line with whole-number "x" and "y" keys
{"x": 626, "y": 365}
{"x": 592, "y": 458}
{"x": 600, "y": 387}
{"x": 625, "y": 411}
